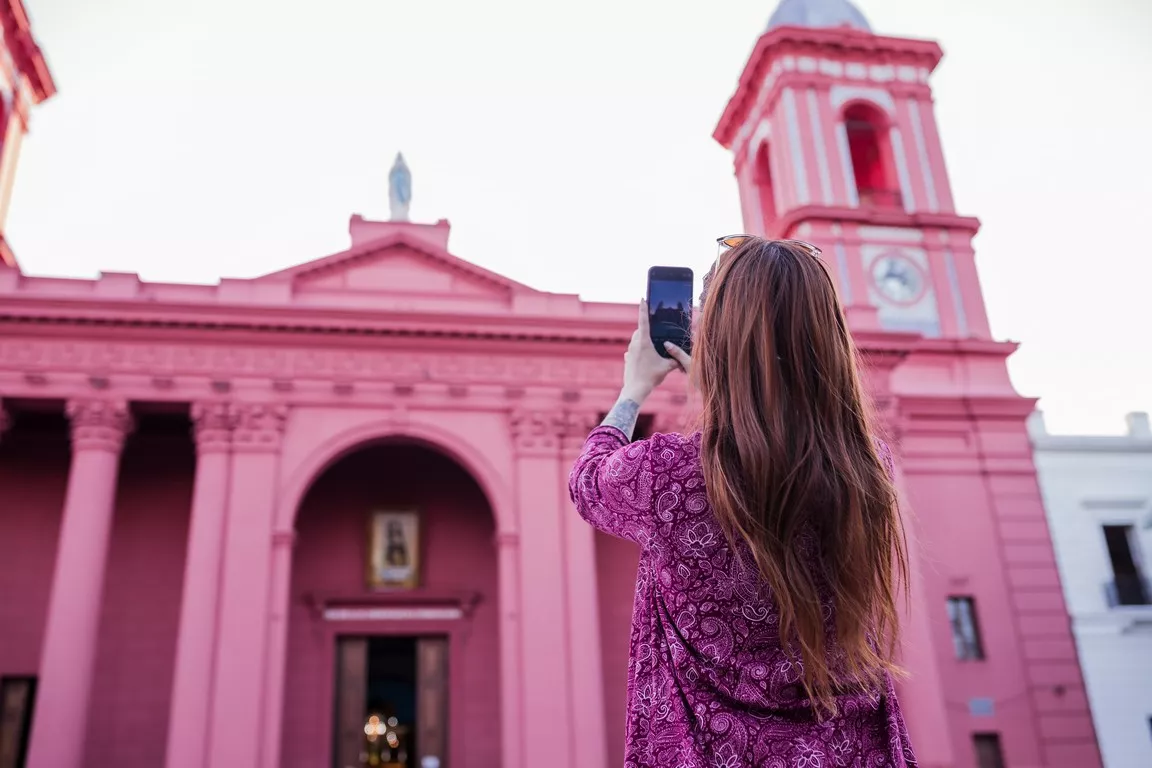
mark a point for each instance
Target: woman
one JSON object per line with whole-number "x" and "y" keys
{"x": 765, "y": 619}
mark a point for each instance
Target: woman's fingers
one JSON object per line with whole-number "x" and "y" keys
{"x": 679, "y": 355}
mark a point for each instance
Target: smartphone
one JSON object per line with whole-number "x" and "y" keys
{"x": 670, "y": 307}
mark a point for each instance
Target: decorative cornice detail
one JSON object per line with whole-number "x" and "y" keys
{"x": 259, "y": 426}
{"x": 224, "y": 361}
{"x": 99, "y": 424}
{"x": 212, "y": 426}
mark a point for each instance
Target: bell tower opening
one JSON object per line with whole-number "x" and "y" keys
{"x": 871, "y": 153}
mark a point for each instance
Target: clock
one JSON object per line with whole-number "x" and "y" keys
{"x": 898, "y": 279}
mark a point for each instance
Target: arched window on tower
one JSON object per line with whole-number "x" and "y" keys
{"x": 765, "y": 189}
{"x": 871, "y": 152}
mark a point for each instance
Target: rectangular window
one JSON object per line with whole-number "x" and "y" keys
{"x": 1128, "y": 585}
{"x": 988, "y": 754}
{"x": 17, "y": 695}
{"x": 965, "y": 629}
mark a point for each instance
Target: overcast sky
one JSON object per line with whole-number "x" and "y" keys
{"x": 570, "y": 146}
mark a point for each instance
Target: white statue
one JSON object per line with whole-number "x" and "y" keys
{"x": 399, "y": 189}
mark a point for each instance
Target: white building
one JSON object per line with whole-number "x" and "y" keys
{"x": 1098, "y": 495}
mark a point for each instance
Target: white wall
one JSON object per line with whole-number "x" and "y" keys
{"x": 1089, "y": 482}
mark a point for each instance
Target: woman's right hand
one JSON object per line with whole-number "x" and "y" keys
{"x": 682, "y": 358}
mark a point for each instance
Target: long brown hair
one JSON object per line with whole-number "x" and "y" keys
{"x": 791, "y": 462}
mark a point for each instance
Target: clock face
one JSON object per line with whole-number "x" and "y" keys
{"x": 898, "y": 279}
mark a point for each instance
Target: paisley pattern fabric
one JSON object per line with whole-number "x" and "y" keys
{"x": 709, "y": 685}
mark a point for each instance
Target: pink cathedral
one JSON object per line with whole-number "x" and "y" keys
{"x": 319, "y": 518}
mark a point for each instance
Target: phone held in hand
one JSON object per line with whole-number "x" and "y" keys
{"x": 670, "y": 307}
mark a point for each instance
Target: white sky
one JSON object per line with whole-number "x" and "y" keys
{"x": 570, "y": 146}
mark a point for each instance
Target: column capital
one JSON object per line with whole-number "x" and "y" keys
{"x": 99, "y": 424}
{"x": 544, "y": 432}
{"x": 536, "y": 432}
{"x": 259, "y": 426}
{"x": 575, "y": 426}
{"x": 212, "y": 426}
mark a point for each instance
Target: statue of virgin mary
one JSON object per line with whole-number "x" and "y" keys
{"x": 399, "y": 189}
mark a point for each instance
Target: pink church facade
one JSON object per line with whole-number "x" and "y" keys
{"x": 239, "y": 521}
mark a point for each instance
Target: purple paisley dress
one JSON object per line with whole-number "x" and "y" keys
{"x": 708, "y": 684}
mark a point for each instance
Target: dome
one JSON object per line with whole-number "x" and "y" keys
{"x": 818, "y": 13}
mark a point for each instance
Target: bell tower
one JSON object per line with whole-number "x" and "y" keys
{"x": 835, "y": 141}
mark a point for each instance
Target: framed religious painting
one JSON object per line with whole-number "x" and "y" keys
{"x": 394, "y": 549}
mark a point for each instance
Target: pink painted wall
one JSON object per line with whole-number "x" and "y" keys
{"x": 33, "y": 472}
{"x": 137, "y": 640}
{"x": 959, "y": 544}
{"x": 458, "y": 554}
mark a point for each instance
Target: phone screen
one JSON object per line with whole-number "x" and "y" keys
{"x": 670, "y": 307}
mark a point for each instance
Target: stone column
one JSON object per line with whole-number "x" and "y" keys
{"x": 195, "y": 643}
{"x": 69, "y": 651}
{"x": 548, "y": 727}
{"x": 583, "y": 606}
{"x": 238, "y": 711}
{"x": 922, "y": 696}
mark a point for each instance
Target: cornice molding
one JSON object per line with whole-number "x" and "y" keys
{"x": 225, "y": 361}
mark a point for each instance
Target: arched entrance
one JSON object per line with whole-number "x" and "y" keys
{"x": 393, "y": 615}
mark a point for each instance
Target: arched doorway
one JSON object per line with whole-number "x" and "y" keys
{"x": 393, "y": 615}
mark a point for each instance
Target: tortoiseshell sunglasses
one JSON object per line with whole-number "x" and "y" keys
{"x": 728, "y": 242}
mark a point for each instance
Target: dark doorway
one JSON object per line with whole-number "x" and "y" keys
{"x": 391, "y": 702}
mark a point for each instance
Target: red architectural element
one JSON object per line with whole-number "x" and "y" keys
{"x": 24, "y": 81}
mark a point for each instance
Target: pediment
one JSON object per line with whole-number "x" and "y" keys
{"x": 398, "y": 265}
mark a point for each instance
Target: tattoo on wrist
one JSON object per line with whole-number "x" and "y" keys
{"x": 623, "y": 416}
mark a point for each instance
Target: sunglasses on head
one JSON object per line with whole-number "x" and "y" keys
{"x": 728, "y": 242}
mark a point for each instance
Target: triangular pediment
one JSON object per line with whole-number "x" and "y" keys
{"x": 398, "y": 264}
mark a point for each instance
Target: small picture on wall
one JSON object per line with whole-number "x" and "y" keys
{"x": 394, "y": 549}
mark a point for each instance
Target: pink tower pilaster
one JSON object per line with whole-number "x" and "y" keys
{"x": 195, "y": 643}
{"x": 69, "y": 652}
{"x": 238, "y": 709}
{"x": 922, "y": 697}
